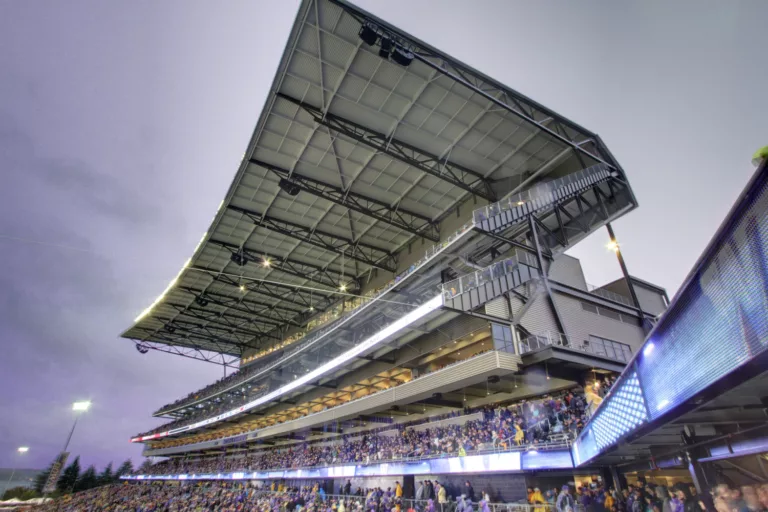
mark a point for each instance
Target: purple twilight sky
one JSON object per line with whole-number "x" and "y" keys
{"x": 122, "y": 125}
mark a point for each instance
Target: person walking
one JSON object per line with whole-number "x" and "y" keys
{"x": 564, "y": 500}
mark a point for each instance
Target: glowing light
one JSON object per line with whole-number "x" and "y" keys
{"x": 662, "y": 405}
{"x": 343, "y": 287}
{"x": 81, "y": 406}
{"x": 311, "y": 308}
{"x": 22, "y": 449}
{"x": 597, "y": 384}
{"x": 648, "y": 349}
{"x": 613, "y": 245}
{"x": 266, "y": 262}
{"x": 242, "y": 287}
{"x": 520, "y": 203}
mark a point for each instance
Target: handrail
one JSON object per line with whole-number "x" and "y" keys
{"x": 542, "y": 192}
{"x": 511, "y": 447}
{"x": 494, "y": 271}
{"x": 558, "y": 339}
{"x": 607, "y": 294}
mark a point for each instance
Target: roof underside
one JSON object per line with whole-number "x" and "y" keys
{"x": 376, "y": 154}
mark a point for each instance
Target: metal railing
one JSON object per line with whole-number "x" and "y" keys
{"x": 557, "y": 339}
{"x": 420, "y": 505}
{"x": 543, "y": 192}
{"x": 476, "y": 279}
{"x": 607, "y": 294}
{"x": 563, "y": 441}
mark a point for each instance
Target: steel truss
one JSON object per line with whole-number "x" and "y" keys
{"x": 224, "y": 319}
{"x": 443, "y": 169}
{"x": 579, "y": 139}
{"x": 251, "y": 306}
{"x": 280, "y": 291}
{"x": 199, "y": 354}
{"x": 314, "y": 273}
{"x": 195, "y": 340}
{"x": 368, "y": 254}
{"x": 565, "y": 220}
{"x": 410, "y": 222}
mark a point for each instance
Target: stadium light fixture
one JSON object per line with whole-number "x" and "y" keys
{"x": 22, "y": 449}
{"x": 402, "y": 56}
{"x": 81, "y": 406}
{"x": 613, "y": 245}
{"x": 343, "y": 287}
{"x": 368, "y": 35}
{"x": 242, "y": 288}
{"x": 266, "y": 262}
{"x": 386, "y": 47}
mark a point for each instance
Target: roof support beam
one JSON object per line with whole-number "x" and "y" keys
{"x": 314, "y": 273}
{"x": 198, "y": 354}
{"x": 224, "y": 319}
{"x": 210, "y": 327}
{"x": 265, "y": 313}
{"x": 279, "y": 291}
{"x": 368, "y": 254}
{"x": 410, "y": 222}
{"x": 443, "y": 169}
{"x": 195, "y": 340}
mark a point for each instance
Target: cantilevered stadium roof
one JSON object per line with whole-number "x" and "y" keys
{"x": 368, "y": 139}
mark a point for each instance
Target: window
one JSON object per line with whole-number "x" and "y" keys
{"x": 502, "y": 337}
{"x": 608, "y": 313}
{"x": 609, "y": 348}
{"x": 589, "y": 307}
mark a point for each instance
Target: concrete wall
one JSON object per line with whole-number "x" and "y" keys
{"x": 567, "y": 270}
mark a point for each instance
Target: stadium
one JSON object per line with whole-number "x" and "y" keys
{"x": 387, "y": 280}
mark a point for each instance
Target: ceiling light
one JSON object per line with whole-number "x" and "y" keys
{"x": 23, "y": 449}
{"x": 343, "y": 287}
{"x": 242, "y": 287}
{"x": 266, "y": 262}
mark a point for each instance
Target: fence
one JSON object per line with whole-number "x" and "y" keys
{"x": 607, "y": 294}
{"x": 476, "y": 279}
{"x": 595, "y": 346}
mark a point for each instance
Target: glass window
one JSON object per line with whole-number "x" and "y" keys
{"x": 609, "y": 313}
{"x": 589, "y": 307}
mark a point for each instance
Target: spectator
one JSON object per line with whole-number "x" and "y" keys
{"x": 565, "y": 501}
{"x": 469, "y": 491}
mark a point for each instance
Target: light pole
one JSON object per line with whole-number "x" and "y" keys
{"x": 78, "y": 407}
{"x": 21, "y": 450}
{"x": 53, "y": 477}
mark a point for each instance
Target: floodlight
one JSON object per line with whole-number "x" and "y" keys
{"x": 81, "y": 406}
{"x": 386, "y": 47}
{"x": 402, "y": 56}
{"x": 368, "y": 35}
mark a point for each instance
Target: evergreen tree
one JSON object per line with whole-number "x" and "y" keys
{"x": 88, "y": 480}
{"x": 144, "y": 468}
{"x": 126, "y": 468}
{"x": 107, "y": 477}
{"x": 69, "y": 477}
{"x": 42, "y": 478}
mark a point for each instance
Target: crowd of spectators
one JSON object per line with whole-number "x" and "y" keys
{"x": 647, "y": 497}
{"x": 430, "y": 496}
{"x": 548, "y": 420}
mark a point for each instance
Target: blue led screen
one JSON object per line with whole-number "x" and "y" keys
{"x": 717, "y": 323}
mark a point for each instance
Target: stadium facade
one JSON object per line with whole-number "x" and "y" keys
{"x": 392, "y": 250}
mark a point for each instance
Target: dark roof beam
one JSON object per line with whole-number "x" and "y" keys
{"x": 364, "y": 253}
{"x": 441, "y": 168}
{"x": 410, "y": 222}
{"x": 309, "y": 271}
